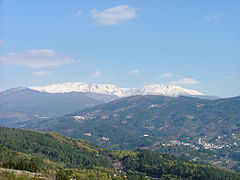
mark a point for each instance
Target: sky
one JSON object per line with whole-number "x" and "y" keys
{"x": 129, "y": 43}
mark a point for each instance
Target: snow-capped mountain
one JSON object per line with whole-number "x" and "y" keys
{"x": 166, "y": 90}
{"x": 83, "y": 87}
{"x": 109, "y": 89}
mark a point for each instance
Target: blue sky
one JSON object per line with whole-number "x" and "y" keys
{"x": 193, "y": 44}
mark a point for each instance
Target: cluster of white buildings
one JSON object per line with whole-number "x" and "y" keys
{"x": 174, "y": 143}
{"x": 209, "y": 145}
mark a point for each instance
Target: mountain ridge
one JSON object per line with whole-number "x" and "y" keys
{"x": 24, "y": 104}
{"x": 151, "y": 89}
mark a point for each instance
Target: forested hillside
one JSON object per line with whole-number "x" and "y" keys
{"x": 57, "y": 157}
{"x": 196, "y": 129}
{"x": 127, "y": 120}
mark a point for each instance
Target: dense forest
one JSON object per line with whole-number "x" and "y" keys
{"x": 57, "y": 157}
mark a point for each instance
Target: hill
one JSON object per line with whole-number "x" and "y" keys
{"x": 19, "y": 105}
{"x": 55, "y": 156}
{"x": 186, "y": 119}
{"x": 148, "y": 121}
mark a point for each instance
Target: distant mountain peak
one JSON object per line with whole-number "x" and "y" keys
{"x": 110, "y": 89}
{"x": 166, "y": 90}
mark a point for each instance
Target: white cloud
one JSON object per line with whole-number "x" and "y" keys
{"x": 44, "y": 73}
{"x": 166, "y": 75}
{"x": 186, "y": 81}
{"x": 36, "y": 58}
{"x": 97, "y": 74}
{"x": 212, "y": 17}
{"x": 114, "y": 15}
{"x": 135, "y": 71}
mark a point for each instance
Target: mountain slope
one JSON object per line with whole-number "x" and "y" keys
{"x": 169, "y": 118}
{"x": 64, "y": 158}
{"x": 23, "y": 104}
{"x": 71, "y": 152}
{"x": 159, "y": 122}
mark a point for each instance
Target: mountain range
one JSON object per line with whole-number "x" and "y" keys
{"x": 109, "y": 89}
{"x": 18, "y": 105}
